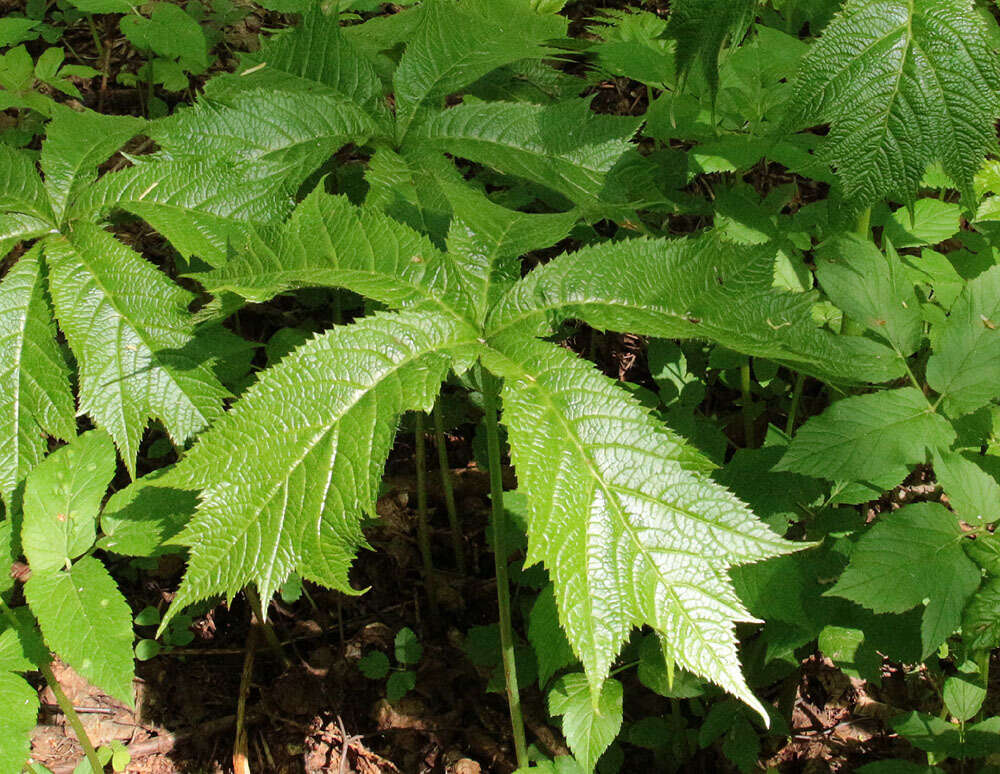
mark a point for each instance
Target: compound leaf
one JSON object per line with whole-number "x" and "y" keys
{"x": 902, "y": 83}
{"x": 21, "y": 705}
{"x": 87, "y": 622}
{"x": 864, "y": 437}
{"x": 910, "y": 555}
{"x": 62, "y": 497}
{"x": 322, "y": 422}
{"x": 35, "y": 396}
{"x": 133, "y": 339}
{"x": 965, "y": 365}
{"x": 629, "y": 533}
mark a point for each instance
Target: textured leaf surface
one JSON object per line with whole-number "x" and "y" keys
{"x": 859, "y": 437}
{"x": 701, "y": 28}
{"x": 20, "y": 702}
{"x": 547, "y": 637}
{"x": 75, "y": 145}
{"x": 629, "y": 534}
{"x": 563, "y": 146}
{"x": 454, "y": 44}
{"x": 965, "y": 366}
{"x": 972, "y": 492}
{"x": 589, "y": 730}
{"x": 690, "y": 288}
{"x": 289, "y": 472}
{"x": 981, "y": 617}
{"x": 21, "y": 188}
{"x": 199, "y": 205}
{"x": 35, "y": 397}
{"x": 328, "y": 242}
{"x": 902, "y": 83}
{"x": 62, "y": 498}
{"x": 138, "y": 519}
{"x": 17, "y": 226}
{"x": 132, "y": 335}
{"x": 873, "y": 289}
{"x": 87, "y": 622}
{"x": 913, "y": 554}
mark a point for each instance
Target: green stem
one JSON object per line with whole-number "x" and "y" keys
{"x": 863, "y": 228}
{"x": 62, "y": 700}
{"x": 800, "y": 381}
{"x": 748, "y": 440}
{"x": 500, "y": 560}
{"x": 423, "y": 531}
{"x": 269, "y": 634}
{"x": 96, "y": 37}
{"x": 449, "y": 490}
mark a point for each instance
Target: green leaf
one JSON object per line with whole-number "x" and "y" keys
{"x": 945, "y": 740}
{"x": 701, "y": 29}
{"x": 132, "y": 335}
{"x": 690, "y": 288}
{"x": 75, "y": 145}
{"x": 930, "y": 222}
{"x": 552, "y": 650}
{"x": 615, "y": 512}
{"x": 170, "y": 32}
{"x": 911, "y": 555}
{"x": 328, "y": 242}
{"x": 62, "y": 497}
{"x": 963, "y": 695}
{"x": 408, "y": 649}
{"x": 972, "y": 492}
{"x": 102, "y": 6}
{"x": 903, "y": 83}
{"x": 563, "y": 146}
{"x": 87, "y": 622}
{"x": 198, "y": 205}
{"x": 866, "y": 437}
{"x": 139, "y": 519}
{"x": 20, "y": 716}
{"x": 873, "y": 289}
{"x": 375, "y": 665}
{"x": 21, "y": 188}
{"x": 965, "y": 365}
{"x": 35, "y": 396}
{"x": 324, "y": 419}
{"x": 21, "y": 646}
{"x": 399, "y": 684}
{"x": 455, "y": 44}
{"x": 589, "y": 727}
{"x": 981, "y": 617}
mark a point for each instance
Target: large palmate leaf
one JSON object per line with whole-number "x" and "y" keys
{"x": 289, "y": 473}
{"x": 35, "y": 397}
{"x": 629, "y": 534}
{"x": 313, "y": 58}
{"x": 75, "y": 145}
{"x": 132, "y": 335}
{"x": 902, "y": 83}
{"x": 690, "y": 288}
{"x": 965, "y": 366}
{"x": 456, "y": 43}
{"x": 563, "y": 146}
{"x": 330, "y": 242}
{"x": 199, "y": 205}
{"x": 297, "y": 131}
{"x": 701, "y": 28}
{"x": 21, "y": 188}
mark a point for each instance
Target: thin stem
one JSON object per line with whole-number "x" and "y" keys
{"x": 269, "y": 634}
{"x": 95, "y": 36}
{"x": 423, "y": 531}
{"x": 748, "y": 440}
{"x": 448, "y": 488}
{"x": 61, "y": 699}
{"x": 863, "y": 227}
{"x": 800, "y": 381}
{"x": 500, "y": 560}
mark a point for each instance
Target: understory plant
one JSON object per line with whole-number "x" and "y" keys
{"x": 830, "y": 170}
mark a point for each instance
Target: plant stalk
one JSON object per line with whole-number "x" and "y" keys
{"x": 269, "y": 634}
{"x": 65, "y": 705}
{"x": 449, "y": 490}
{"x": 499, "y": 517}
{"x": 800, "y": 381}
{"x": 748, "y": 439}
{"x": 863, "y": 228}
{"x": 423, "y": 531}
